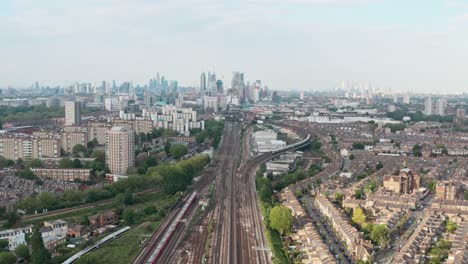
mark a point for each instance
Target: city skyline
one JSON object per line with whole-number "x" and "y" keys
{"x": 296, "y": 44}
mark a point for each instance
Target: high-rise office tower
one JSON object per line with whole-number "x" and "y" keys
{"x": 202, "y": 82}
{"x": 212, "y": 83}
{"x": 72, "y": 113}
{"x": 406, "y": 99}
{"x": 428, "y": 106}
{"x": 440, "y": 107}
{"x": 219, "y": 87}
{"x": 120, "y": 149}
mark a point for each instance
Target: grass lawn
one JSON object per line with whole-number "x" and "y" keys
{"x": 125, "y": 248}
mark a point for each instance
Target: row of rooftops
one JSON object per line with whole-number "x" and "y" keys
{"x": 459, "y": 251}
{"x": 419, "y": 242}
{"x": 312, "y": 245}
{"x": 357, "y": 246}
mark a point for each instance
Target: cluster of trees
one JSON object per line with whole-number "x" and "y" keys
{"x": 25, "y": 113}
{"x": 294, "y": 177}
{"x": 5, "y": 163}
{"x": 160, "y": 176}
{"x": 98, "y": 166}
{"x": 176, "y": 177}
{"x": 440, "y": 251}
{"x": 451, "y": 227}
{"x": 379, "y": 234}
{"x": 142, "y": 165}
{"x": 315, "y": 145}
{"x": 281, "y": 219}
{"x": 213, "y": 130}
{"x": 277, "y": 218}
{"x": 155, "y": 133}
{"x": 177, "y": 151}
{"x": 21, "y": 252}
{"x": 395, "y": 127}
{"x": 358, "y": 145}
{"x": 368, "y": 188}
{"x": 419, "y": 116}
{"x": 417, "y": 150}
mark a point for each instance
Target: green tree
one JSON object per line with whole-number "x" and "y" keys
{"x": 3, "y": 244}
{"x": 7, "y": 258}
{"x": 417, "y": 150}
{"x": 12, "y": 220}
{"x": 167, "y": 147}
{"x": 128, "y": 198}
{"x": 77, "y": 163}
{"x": 359, "y": 194}
{"x": 79, "y": 150}
{"x": 178, "y": 151}
{"x": 92, "y": 143}
{"x": 46, "y": 200}
{"x": 151, "y": 162}
{"x": 129, "y": 216}
{"x": 371, "y": 187}
{"x": 359, "y": 217}
{"x": 432, "y": 185}
{"x": 6, "y": 163}
{"x": 150, "y": 209}
{"x": 358, "y": 145}
{"x": 379, "y": 166}
{"x": 99, "y": 155}
{"x": 34, "y": 163}
{"x": 40, "y": 255}
{"x": 281, "y": 219}
{"x": 451, "y": 227}
{"x": 338, "y": 198}
{"x": 22, "y": 251}
{"x": 380, "y": 235}
{"x": 65, "y": 163}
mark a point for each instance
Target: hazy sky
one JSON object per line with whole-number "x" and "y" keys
{"x": 419, "y": 45}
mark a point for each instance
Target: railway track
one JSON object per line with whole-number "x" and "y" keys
{"x": 238, "y": 233}
{"x": 76, "y": 208}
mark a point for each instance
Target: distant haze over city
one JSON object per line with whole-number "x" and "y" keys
{"x": 415, "y": 46}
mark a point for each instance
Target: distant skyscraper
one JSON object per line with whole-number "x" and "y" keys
{"x": 395, "y": 99}
{"x": 203, "y": 82}
{"x": 406, "y": 99}
{"x": 461, "y": 113}
{"x": 120, "y": 149}
{"x": 72, "y": 113}
{"x": 211, "y": 85}
{"x": 440, "y": 107}
{"x": 219, "y": 87}
{"x": 428, "y": 106}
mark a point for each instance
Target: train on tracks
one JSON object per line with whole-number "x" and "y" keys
{"x": 106, "y": 239}
{"x": 157, "y": 251}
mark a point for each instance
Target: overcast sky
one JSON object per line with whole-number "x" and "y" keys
{"x": 419, "y": 45}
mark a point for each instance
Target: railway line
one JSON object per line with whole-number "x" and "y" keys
{"x": 239, "y": 236}
{"x": 76, "y": 208}
{"x": 175, "y": 239}
{"x": 238, "y": 231}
